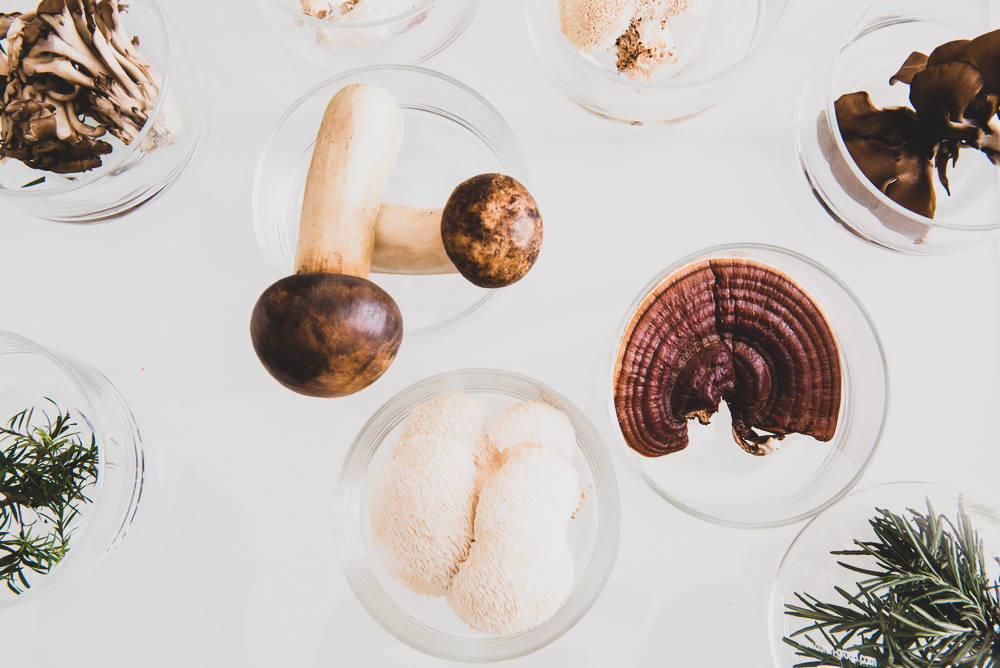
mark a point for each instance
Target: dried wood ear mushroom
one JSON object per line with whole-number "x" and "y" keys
{"x": 72, "y": 74}
{"x": 727, "y": 330}
{"x": 955, "y": 95}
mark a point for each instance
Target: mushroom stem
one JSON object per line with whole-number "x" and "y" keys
{"x": 356, "y": 151}
{"x": 408, "y": 241}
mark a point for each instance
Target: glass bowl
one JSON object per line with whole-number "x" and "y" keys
{"x": 872, "y": 49}
{"x": 452, "y": 133}
{"x": 714, "y": 479}
{"x": 30, "y": 375}
{"x": 427, "y": 624}
{"x": 416, "y": 31}
{"x": 739, "y": 31}
{"x": 130, "y": 176}
{"x": 808, "y": 566}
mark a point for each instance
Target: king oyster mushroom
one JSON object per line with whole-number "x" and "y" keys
{"x": 68, "y": 61}
{"x": 955, "y": 95}
{"x": 727, "y": 330}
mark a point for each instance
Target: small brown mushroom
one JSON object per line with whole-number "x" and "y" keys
{"x": 727, "y": 330}
{"x": 327, "y": 331}
{"x": 492, "y": 230}
{"x": 411, "y": 241}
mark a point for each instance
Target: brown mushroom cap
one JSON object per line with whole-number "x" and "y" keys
{"x": 727, "y": 330}
{"x": 326, "y": 335}
{"x": 492, "y": 230}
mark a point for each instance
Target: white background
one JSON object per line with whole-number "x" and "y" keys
{"x": 233, "y": 561}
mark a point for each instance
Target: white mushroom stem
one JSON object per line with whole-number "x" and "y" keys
{"x": 408, "y": 241}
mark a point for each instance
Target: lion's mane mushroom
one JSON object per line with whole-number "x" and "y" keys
{"x": 67, "y": 61}
{"x": 492, "y": 230}
{"x": 520, "y": 568}
{"x": 727, "y": 330}
{"x": 955, "y": 95}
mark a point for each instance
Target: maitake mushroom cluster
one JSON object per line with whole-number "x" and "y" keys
{"x": 955, "y": 95}
{"x": 67, "y": 62}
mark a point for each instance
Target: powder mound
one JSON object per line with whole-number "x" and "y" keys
{"x": 520, "y": 569}
{"x": 534, "y": 422}
{"x": 422, "y": 509}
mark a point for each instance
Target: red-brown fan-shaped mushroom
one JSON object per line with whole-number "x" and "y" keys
{"x": 727, "y": 330}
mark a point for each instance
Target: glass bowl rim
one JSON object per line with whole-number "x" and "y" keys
{"x": 633, "y": 459}
{"x": 861, "y": 26}
{"x": 590, "y": 583}
{"x": 54, "y": 578}
{"x": 358, "y": 25}
{"x": 126, "y": 152}
{"x": 261, "y": 224}
{"x": 672, "y": 84}
{"x": 773, "y": 637}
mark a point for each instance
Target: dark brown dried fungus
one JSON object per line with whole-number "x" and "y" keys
{"x": 727, "y": 330}
{"x": 955, "y": 95}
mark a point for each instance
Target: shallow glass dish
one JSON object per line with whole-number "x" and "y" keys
{"x": 724, "y": 40}
{"x": 411, "y": 32}
{"x": 130, "y": 176}
{"x": 427, "y": 624}
{"x": 452, "y": 133}
{"x": 714, "y": 479}
{"x": 29, "y": 375}
{"x": 808, "y": 566}
{"x": 871, "y": 51}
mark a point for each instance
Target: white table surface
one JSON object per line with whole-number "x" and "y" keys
{"x": 233, "y": 559}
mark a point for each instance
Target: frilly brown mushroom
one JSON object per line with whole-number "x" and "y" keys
{"x": 67, "y": 61}
{"x": 727, "y": 330}
{"x": 955, "y": 94}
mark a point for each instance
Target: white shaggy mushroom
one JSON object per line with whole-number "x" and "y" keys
{"x": 534, "y": 422}
{"x": 520, "y": 569}
{"x": 424, "y": 499}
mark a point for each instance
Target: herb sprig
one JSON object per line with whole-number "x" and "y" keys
{"x": 928, "y": 600}
{"x": 46, "y": 469}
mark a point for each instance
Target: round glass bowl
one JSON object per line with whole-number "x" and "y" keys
{"x": 427, "y": 624}
{"x": 808, "y": 567}
{"x": 715, "y": 45}
{"x": 714, "y": 479}
{"x": 30, "y": 376}
{"x": 131, "y": 175}
{"x": 871, "y": 51}
{"x": 411, "y": 32}
{"x": 452, "y": 133}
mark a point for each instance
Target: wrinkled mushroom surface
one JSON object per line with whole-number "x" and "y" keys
{"x": 727, "y": 330}
{"x": 71, "y": 75}
{"x": 955, "y": 95}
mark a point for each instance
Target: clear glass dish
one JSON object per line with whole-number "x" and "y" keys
{"x": 808, "y": 566}
{"x": 715, "y": 480}
{"x": 452, "y": 133}
{"x": 29, "y": 375}
{"x": 427, "y": 624}
{"x": 738, "y": 32}
{"x": 130, "y": 176}
{"x": 415, "y": 31}
{"x": 871, "y": 51}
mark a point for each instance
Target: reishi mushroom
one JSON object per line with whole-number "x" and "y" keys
{"x": 490, "y": 231}
{"x": 328, "y": 331}
{"x": 727, "y": 330}
{"x": 520, "y": 567}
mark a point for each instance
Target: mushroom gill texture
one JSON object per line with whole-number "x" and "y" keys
{"x": 72, "y": 74}
{"x": 955, "y": 99}
{"x": 727, "y": 330}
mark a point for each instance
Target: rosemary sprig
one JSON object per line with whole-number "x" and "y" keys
{"x": 45, "y": 471}
{"x": 926, "y": 600}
